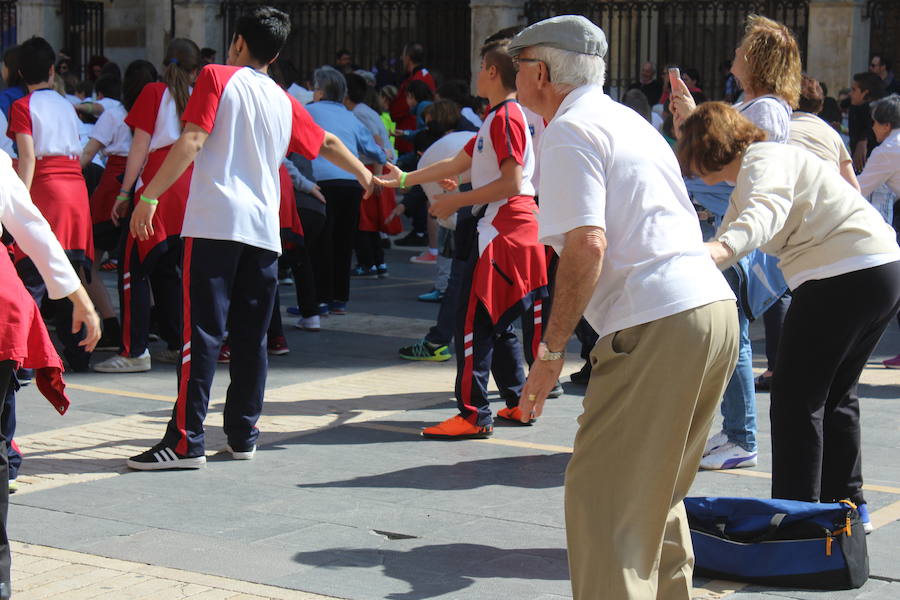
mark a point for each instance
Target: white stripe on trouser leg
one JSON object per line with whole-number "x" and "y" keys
{"x": 186, "y": 359}
{"x": 468, "y": 351}
{"x": 468, "y": 337}
{"x": 127, "y": 286}
{"x": 537, "y": 320}
{"x": 186, "y": 347}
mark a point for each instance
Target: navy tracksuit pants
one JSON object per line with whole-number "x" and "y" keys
{"x": 219, "y": 277}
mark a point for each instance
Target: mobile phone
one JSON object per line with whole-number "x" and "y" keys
{"x": 674, "y": 75}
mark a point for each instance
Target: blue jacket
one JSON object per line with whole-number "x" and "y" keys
{"x": 762, "y": 282}
{"x": 334, "y": 118}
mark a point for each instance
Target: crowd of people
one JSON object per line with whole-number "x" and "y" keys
{"x": 202, "y": 185}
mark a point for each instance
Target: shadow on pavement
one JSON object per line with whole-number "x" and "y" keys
{"x": 538, "y": 471}
{"x": 440, "y": 569}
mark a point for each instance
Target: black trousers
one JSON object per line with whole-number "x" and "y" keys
{"x": 223, "y": 282}
{"x": 75, "y": 355}
{"x": 304, "y": 273}
{"x": 333, "y": 251}
{"x": 369, "y": 251}
{"x": 7, "y": 368}
{"x": 773, "y": 319}
{"x": 816, "y": 453}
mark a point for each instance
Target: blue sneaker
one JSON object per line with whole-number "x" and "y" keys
{"x": 337, "y": 308}
{"x": 323, "y": 309}
{"x": 293, "y": 310}
{"x": 863, "y": 510}
{"x": 433, "y": 296}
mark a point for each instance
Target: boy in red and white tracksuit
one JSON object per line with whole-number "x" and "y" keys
{"x": 507, "y": 274}
{"x": 239, "y": 125}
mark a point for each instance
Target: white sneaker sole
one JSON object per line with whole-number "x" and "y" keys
{"x": 182, "y": 463}
{"x": 240, "y": 455}
{"x": 129, "y": 369}
{"x": 730, "y": 464}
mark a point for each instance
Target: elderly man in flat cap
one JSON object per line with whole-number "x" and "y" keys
{"x": 632, "y": 260}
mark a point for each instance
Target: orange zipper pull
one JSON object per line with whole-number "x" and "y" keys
{"x": 828, "y": 541}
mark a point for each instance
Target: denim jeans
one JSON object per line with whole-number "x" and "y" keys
{"x": 739, "y": 400}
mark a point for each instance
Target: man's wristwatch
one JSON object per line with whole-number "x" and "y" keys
{"x": 545, "y": 354}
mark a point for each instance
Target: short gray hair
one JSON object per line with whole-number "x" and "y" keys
{"x": 331, "y": 83}
{"x": 569, "y": 70}
{"x": 887, "y": 111}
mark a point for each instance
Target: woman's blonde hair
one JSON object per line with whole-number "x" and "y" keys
{"x": 773, "y": 59}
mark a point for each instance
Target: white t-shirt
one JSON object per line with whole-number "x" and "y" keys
{"x": 155, "y": 112}
{"x": 447, "y": 147}
{"x": 50, "y": 120}
{"x": 606, "y": 166}
{"x": 111, "y": 131}
{"x": 536, "y": 128}
{"x": 769, "y": 113}
{"x": 252, "y": 124}
{"x": 504, "y": 134}
{"x": 883, "y": 166}
{"x": 6, "y": 144}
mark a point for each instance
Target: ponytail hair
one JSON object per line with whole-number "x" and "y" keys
{"x": 181, "y": 62}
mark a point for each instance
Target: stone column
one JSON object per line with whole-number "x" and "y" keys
{"x": 838, "y": 42}
{"x": 488, "y": 17}
{"x": 158, "y": 30}
{"x": 42, "y": 18}
{"x": 201, "y": 21}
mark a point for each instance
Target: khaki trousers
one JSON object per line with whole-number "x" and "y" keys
{"x": 647, "y": 413}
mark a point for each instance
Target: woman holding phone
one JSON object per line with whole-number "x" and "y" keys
{"x": 767, "y": 65}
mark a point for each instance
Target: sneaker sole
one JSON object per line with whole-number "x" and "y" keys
{"x": 181, "y": 463}
{"x": 468, "y": 436}
{"x": 240, "y": 455}
{"x": 427, "y": 358}
{"x": 423, "y": 262}
{"x": 508, "y": 420}
{"x": 734, "y": 463}
{"x": 281, "y": 352}
{"x": 100, "y": 369}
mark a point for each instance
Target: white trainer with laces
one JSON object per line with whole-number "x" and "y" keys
{"x": 312, "y": 323}
{"x": 125, "y": 364}
{"x": 728, "y": 456}
{"x": 716, "y": 441}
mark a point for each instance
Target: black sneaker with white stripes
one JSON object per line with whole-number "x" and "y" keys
{"x": 160, "y": 457}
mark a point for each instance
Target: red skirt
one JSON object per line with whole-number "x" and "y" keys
{"x": 289, "y": 218}
{"x": 24, "y": 338}
{"x": 375, "y": 209}
{"x": 59, "y": 192}
{"x": 514, "y": 263}
{"x": 104, "y": 197}
{"x": 169, "y": 215}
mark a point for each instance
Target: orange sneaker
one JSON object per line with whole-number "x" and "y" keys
{"x": 513, "y": 414}
{"x": 457, "y": 428}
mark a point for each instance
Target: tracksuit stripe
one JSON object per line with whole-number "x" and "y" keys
{"x": 182, "y": 401}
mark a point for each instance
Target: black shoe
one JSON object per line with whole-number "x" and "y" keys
{"x": 412, "y": 239}
{"x": 763, "y": 383}
{"x": 556, "y": 392}
{"x": 583, "y": 376}
{"x": 160, "y": 457}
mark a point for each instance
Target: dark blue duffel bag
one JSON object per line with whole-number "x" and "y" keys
{"x": 779, "y": 542}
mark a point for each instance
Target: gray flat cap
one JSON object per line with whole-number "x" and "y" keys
{"x": 574, "y": 33}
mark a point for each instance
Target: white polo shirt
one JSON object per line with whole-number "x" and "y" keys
{"x": 50, "y": 120}
{"x": 883, "y": 166}
{"x": 112, "y": 131}
{"x": 605, "y": 166}
{"x": 252, "y": 124}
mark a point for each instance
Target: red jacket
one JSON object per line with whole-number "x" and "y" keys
{"x": 399, "y": 108}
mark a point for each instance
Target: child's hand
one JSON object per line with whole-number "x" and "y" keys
{"x": 316, "y": 193}
{"x": 448, "y": 185}
{"x": 398, "y": 210}
{"x": 443, "y": 206}
{"x": 392, "y": 178}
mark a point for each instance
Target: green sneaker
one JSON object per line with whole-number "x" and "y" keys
{"x": 423, "y": 350}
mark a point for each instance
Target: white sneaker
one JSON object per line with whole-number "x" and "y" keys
{"x": 125, "y": 364}
{"x": 246, "y": 455}
{"x": 728, "y": 456}
{"x": 716, "y": 441}
{"x": 170, "y": 357}
{"x": 312, "y": 323}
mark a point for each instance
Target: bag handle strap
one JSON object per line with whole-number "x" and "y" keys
{"x": 774, "y": 524}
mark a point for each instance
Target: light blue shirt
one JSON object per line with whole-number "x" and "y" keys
{"x": 334, "y": 118}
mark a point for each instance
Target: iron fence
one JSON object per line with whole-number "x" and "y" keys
{"x": 374, "y": 31}
{"x": 83, "y": 32}
{"x": 689, "y": 33}
{"x": 884, "y": 23}
{"x": 8, "y": 31}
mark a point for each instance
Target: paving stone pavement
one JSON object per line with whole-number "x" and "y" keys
{"x": 344, "y": 499}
